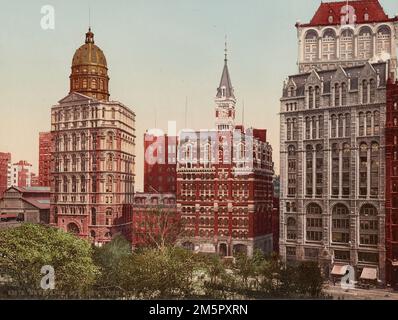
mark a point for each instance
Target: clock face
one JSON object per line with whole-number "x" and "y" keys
{"x": 224, "y": 113}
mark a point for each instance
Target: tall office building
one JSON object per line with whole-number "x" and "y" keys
{"x": 333, "y": 114}
{"x": 92, "y": 178}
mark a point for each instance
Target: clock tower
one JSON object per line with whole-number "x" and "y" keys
{"x": 225, "y": 100}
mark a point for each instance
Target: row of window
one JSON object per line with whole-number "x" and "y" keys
{"x": 326, "y": 48}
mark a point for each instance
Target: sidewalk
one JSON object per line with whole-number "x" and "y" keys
{"x": 360, "y": 294}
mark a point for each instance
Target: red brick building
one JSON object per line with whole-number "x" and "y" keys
{"x": 44, "y": 159}
{"x": 224, "y": 183}
{"x": 392, "y": 184}
{"x": 5, "y": 172}
{"x": 155, "y": 219}
{"x": 160, "y": 165}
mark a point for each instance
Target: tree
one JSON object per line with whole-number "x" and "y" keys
{"x": 161, "y": 227}
{"x": 308, "y": 279}
{"x": 26, "y": 249}
{"x": 160, "y": 274}
{"x": 111, "y": 260}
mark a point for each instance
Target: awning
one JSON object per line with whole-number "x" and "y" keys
{"x": 369, "y": 274}
{"x": 339, "y": 270}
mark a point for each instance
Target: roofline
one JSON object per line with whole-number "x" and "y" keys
{"x": 304, "y": 25}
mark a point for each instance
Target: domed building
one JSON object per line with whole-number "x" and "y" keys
{"x": 93, "y": 143}
{"x": 89, "y": 74}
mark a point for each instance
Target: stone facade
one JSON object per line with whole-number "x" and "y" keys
{"x": 93, "y": 159}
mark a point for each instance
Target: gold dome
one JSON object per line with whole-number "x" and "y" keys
{"x": 89, "y": 70}
{"x": 89, "y": 53}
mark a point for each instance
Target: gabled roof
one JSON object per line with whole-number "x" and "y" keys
{"x": 226, "y": 83}
{"x": 76, "y": 96}
{"x": 372, "y": 7}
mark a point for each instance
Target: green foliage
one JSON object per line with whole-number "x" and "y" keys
{"x": 26, "y": 249}
{"x": 160, "y": 272}
{"x": 112, "y": 260}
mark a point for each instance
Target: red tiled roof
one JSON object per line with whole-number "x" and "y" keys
{"x": 372, "y": 7}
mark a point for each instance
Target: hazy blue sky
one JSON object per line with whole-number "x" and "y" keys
{"x": 159, "y": 52}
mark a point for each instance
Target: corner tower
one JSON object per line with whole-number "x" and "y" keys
{"x": 225, "y": 100}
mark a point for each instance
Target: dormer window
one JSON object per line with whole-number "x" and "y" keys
{"x": 330, "y": 19}
{"x": 366, "y": 17}
{"x": 223, "y": 92}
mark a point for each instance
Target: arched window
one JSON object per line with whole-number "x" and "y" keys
{"x": 365, "y": 91}
{"x": 311, "y": 46}
{"x": 369, "y": 225}
{"x": 309, "y": 170}
{"x": 383, "y": 40}
{"x": 93, "y": 217}
{"x": 319, "y": 170}
{"x": 109, "y": 162}
{"x": 109, "y": 184}
{"x": 365, "y": 47}
{"x": 93, "y": 84}
{"x": 93, "y": 183}
{"x": 346, "y": 168}
{"x": 320, "y": 127}
{"x": 343, "y": 94}
{"x": 340, "y": 224}
{"x": 314, "y": 131}
{"x": 310, "y": 98}
{"x": 347, "y": 125}
{"x": 347, "y": 45}
{"x": 329, "y": 45}
{"x": 335, "y": 170}
{"x": 333, "y": 126}
{"x": 74, "y": 163}
{"x": 74, "y": 184}
{"x": 65, "y": 184}
{"x": 341, "y": 126}
{"x": 288, "y": 129}
{"x": 361, "y": 124}
{"x": 336, "y": 95}
{"x": 83, "y": 141}
{"x": 109, "y": 217}
{"x": 66, "y": 143}
{"x": 374, "y": 170}
{"x": 66, "y": 163}
{"x": 292, "y": 171}
{"x": 376, "y": 123}
{"x": 317, "y": 97}
{"x": 73, "y": 228}
{"x": 308, "y": 128}
{"x": 372, "y": 85}
{"x": 291, "y": 229}
{"x": 82, "y": 163}
{"x": 74, "y": 142}
{"x": 314, "y": 223}
{"x": 83, "y": 184}
{"x": 363, "y": 169}
{"x": 369, "y": 123}
{"x": 109, "y": 141}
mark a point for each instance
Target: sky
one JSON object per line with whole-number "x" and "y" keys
{"x": 160, "y": 53}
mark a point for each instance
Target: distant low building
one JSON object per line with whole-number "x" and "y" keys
{"x": 154, "y": 216}
{"x": 5, "y": 171}
{"x": 21, "y": 174}
{"x": 19, "y": 205}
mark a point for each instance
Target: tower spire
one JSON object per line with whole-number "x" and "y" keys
{"x": 226, "y": 50}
